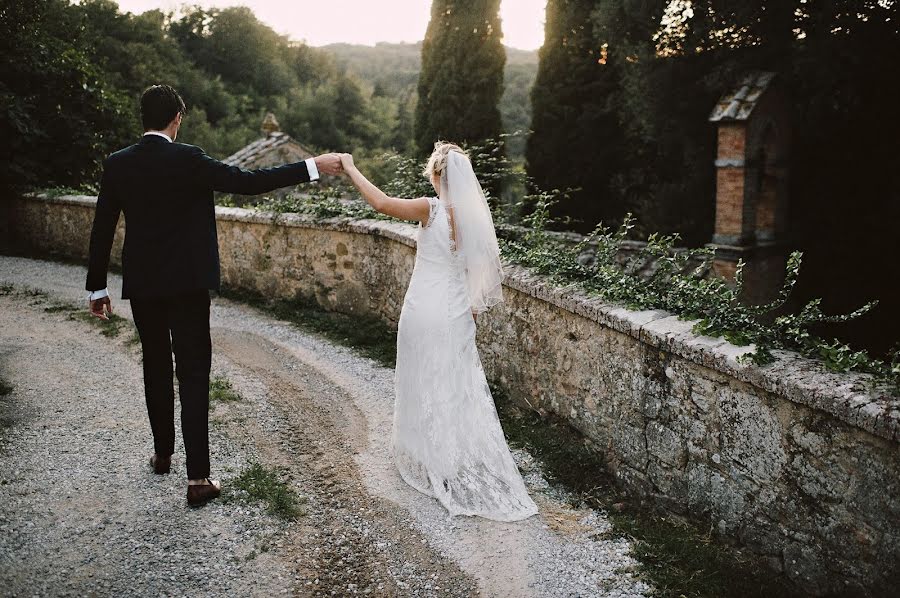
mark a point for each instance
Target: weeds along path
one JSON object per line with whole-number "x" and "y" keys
{"x": 81, "y": 513}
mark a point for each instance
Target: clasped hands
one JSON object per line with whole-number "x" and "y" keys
{"x": 329, "y": 164}
{"x": 334, "y": 163}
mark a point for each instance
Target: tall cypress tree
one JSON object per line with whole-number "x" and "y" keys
{"x": 462, "y": 74}
{"x": 402, "y": 136}
{"x": 577, "y": 138}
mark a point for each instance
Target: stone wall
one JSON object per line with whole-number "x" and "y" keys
{"x": 55, "y": 226}
{"x": 794, "y": 463}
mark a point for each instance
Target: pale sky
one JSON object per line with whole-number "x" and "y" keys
{"x": 321, "y": 22}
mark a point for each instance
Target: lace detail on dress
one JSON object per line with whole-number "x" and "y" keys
{"x": 447, "y": 439}
{"x": 432, "y": 210}
{"x": 434, "y": 204}
{"x": 451, "y": 233}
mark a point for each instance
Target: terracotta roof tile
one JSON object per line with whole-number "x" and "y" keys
{"x": 250, "y": 154}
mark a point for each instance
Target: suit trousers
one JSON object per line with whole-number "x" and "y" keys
{"x": 179, "y": 324}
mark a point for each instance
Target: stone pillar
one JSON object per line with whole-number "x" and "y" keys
{"x": 731, "y": 209}
{"x": 751, "y": 186}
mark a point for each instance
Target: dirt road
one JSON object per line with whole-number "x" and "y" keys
{"x": 81, "y": 514}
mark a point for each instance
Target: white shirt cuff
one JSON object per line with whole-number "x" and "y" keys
{"x": 98, "y": 295}
{"x": 313, "y": 170}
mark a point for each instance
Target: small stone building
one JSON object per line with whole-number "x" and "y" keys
{"x": 275, "y": 148}
{"x": 752, "y": 184}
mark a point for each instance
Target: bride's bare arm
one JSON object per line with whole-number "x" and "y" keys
{"x": 405, "y": 209}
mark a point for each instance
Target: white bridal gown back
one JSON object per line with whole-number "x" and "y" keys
{"x": 447, "y": 438}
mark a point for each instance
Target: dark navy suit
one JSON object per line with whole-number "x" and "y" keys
{"x": 170, "y": 262}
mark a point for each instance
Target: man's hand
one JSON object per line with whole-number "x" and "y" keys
{"x": 101, "y": 308}
{"x": 329, "y": 163}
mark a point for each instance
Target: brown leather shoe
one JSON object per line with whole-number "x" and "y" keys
{"x": 198, "y": 494}
{"x": 160, "y": 465}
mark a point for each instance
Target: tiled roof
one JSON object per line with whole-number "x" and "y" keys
{"x": 248, "y": 155}
{"x": 738, "y": 104}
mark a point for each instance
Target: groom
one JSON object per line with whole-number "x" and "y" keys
{"x": 170, "y": 262}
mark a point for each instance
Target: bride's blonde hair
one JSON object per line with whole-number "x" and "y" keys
{"x": 438, "y": 160}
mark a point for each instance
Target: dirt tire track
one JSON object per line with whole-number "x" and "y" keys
{"x": 323, "y": 431}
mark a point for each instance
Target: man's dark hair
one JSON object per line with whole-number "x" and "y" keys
{"x": 160, "y": 104}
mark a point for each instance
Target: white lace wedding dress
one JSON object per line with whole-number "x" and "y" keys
{"x": 447, "y": 438}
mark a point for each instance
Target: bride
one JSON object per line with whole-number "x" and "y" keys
{"x": 447, "y": 440}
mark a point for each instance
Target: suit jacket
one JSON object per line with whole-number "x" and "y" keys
{"x": 166, "y": 190}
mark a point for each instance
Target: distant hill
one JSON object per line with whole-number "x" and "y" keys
{"x": 393, "y": 70}
{"x": 404, "y": 57}
{"x": 394, "y": 66}
{"x": 517, "y": 56}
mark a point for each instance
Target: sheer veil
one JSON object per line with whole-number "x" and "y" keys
{"x": 476, "y": 240}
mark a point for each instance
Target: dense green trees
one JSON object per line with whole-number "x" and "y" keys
{"x": 462, "y": 74}
{"x": 633, "y": 135}
{"x": 662, "y": 104}
{"x": 577, "y": 139}
{"x": 831, "y": 58}
{"x": 625, "y": 86}
{"x": 239, "y": 68}
{"x": 58, "y": 110}
{"x": 72, "y": 75}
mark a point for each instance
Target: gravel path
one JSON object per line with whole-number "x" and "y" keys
{"x": 81, "y": 514}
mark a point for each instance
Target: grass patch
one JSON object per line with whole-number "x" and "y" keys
{"x": 37, "y": 296}
{"x": 221, "y": 391}
{"x": 676, "y": 556}
{"x": 59, "y": 307}
{"x": 368, "y": 336}
{"x": 260, "y": 484}
{"x": 134, "y": 340}
{"x": 109, "y": 328}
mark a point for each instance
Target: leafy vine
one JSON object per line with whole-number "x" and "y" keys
{"x": 677, "y": 282}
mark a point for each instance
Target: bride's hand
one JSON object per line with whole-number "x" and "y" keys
{"x": 347, "y": 162}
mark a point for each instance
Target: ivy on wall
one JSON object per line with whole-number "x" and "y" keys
{"x": 677, "y": 282}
